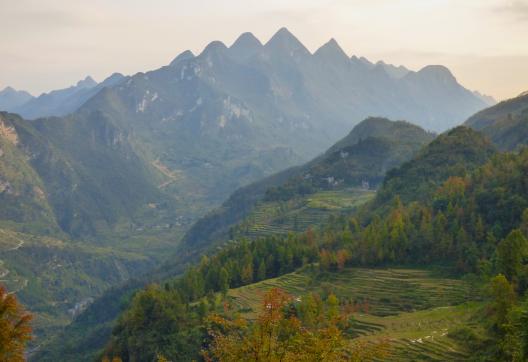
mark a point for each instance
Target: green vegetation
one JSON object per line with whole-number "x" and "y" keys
{"x": 360, "y": 160}
{"x": 373, "y": 147}
{"x": 59, "y": 278}
{"x": 462, "y": 219}
{"x": 506, "y": 123}
{"x": 383, "y": 292}
{"x": 15, "y": 329}
{"x": 297, "y": 215}
{"x": 98, "y": 197}
{"x": 418, "y": 314}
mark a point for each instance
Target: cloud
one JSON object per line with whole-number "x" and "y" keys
{"x": 518, "y": 9}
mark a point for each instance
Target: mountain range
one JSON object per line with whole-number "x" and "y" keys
{"x": 128, "y": 165}
{"x": 204, "y": 125}
{"x": 59, "y": 102}
{"x": 431, "y": 184}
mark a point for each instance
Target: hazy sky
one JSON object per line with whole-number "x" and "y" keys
{"x": 49, "y": 44}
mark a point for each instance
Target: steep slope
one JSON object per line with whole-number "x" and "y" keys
{"x": 432, "y": 87}
{"x": 363, "y": 156}
{"x": 64, "y": 101}
{"x": 24, "y": 201}
{"x": 56, "y": 279}
{"x": 228, "y": 116}
{"x": 460, "y": 185}
{"x": 209, "y": 124}
{"x": 82, "y": 178}
{"x": 83, "y": 174}
{"x": 457, "y": 225}
{"x": 505, "y": 123}
{"x": 11, "y": 98}
{"x": 454, "y": 153}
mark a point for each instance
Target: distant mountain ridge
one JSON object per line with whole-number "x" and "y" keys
{"x": 64, "y": 101}
{"x": 206, "y": 125}
{"x": 133, "y": 161}
{"x": 505, "y": 123}
{"x": 398, "y": 92}
{"x": 11, "y": 98}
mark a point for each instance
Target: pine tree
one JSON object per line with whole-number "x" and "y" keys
{"x": 223, "y": 280}
{"x": 510, "y": 254}
{"x": 261, "y": 272}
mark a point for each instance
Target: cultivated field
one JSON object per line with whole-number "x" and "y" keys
{"x": 411, "y": 311}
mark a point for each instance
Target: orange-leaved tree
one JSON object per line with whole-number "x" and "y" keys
{"x": 15, "y": 330}
{"x": 279, "y": 334}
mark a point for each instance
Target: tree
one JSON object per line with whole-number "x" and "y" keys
{"x": 274, "y": 336}
{"x": 278, "y": 334}
{"x": 510, "y": 254}
{"x": 342, "y": 257}
{"x": 261, "y": 272}
{"x": 223, "y": 280}
{"x": 503, "y": 298}
{"x": 524, "y": 223}
{"x": 15, "y": 330}
{"x": 332, "y": 311}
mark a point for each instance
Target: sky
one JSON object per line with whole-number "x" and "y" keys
{"x": 51, "y": 44}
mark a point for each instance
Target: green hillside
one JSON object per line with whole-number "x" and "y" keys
{"x": 300, "y": 213}
{"x": 359, "y": 160}
{"x": 416, "y": 310}
{"x": 56, "y": 278}
{"x": 505, "y": 123}
{"x": 387, "y": 292}
{"x": 458, "y": 205}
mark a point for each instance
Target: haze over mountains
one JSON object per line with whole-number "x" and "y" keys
{"x": 205, "y": 125}
{"x": 418, "y": 171}
{"x": 116, "y": 172}
{"x": 55, "y": 103}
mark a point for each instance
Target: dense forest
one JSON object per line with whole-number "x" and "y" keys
{"x": 470, "y": 215}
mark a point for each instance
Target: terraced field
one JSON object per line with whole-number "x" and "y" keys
{"x": 297, "y": 214}
{"x": 411, "y": 310}
{"x": 420, "y": 336}
{"x": 385, "y": 291}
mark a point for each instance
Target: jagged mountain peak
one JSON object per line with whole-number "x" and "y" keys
{"x": 8, "y": 89}
{"x": 245, "y": 46}
{"x": 112, "y": 80}
{"x": 284, "y": 40}
{"x": 214, "y": 47}
{"x": 437, "y": 72}
{"x": 331, "y": 50}
{"x": 393, "y": 71}
{"x": 181, "y": 57}
{"x": 363, "y": 61}
{"x": 246, "y": 40}
{"x": 87, "y": 82}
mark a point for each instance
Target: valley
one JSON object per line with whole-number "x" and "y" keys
{"x": 263, "y": 201}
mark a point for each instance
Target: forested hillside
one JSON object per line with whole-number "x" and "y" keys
{"x": 174, "y": 187}
{"x": 505, "y": 123}
{"x": 464, "y": 223}
{"x": 469, "y": 218}
{"x": 357, "y": 162}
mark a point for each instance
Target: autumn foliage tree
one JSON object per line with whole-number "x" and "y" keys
{"x": 286, "y": 330}
{"x": 15, "y": 330}
{"x": 276, "y": 335}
